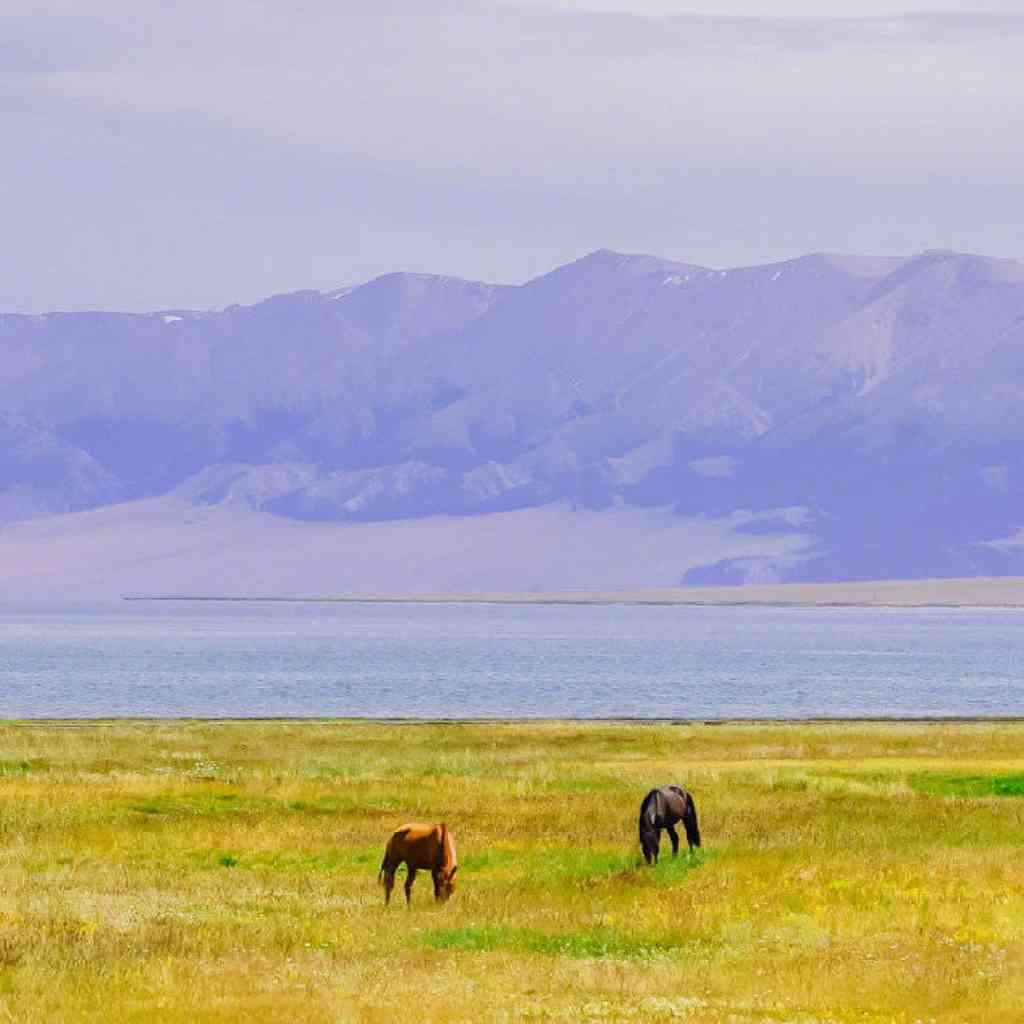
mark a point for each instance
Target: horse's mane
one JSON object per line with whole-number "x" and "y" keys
{"x": 649, "y": 810}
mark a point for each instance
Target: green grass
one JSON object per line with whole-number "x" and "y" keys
{"x": 596, "y": 943}
{"x": 946, "y": 784}
{"x": 22, "y": 767}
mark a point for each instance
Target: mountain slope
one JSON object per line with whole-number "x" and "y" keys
{"x": 171, "y": 546}
{"x": 883, "y": 398}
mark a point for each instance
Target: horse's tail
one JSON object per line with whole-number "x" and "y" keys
{"x": 384, "y": 862}
{"x": 690, "y": 822}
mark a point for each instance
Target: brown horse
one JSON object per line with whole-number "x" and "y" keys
{"x": 420, "y": 846}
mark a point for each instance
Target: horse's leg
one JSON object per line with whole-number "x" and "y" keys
{"x": 656, "y": 845}
{"x": 674, "y": 836}
{"x": 409, "y": 879}
{"x": 389, "y": 883}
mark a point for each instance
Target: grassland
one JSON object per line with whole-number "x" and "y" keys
{"x": 225, "y": 872}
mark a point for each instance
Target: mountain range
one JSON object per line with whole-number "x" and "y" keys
{"x": 622, "y": 420}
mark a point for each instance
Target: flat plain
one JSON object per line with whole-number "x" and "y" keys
{"x": 226, "y": 871}
{"x": 973, "y": 592}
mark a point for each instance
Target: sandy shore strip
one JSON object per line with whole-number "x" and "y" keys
{"x": 1000, "y": 592}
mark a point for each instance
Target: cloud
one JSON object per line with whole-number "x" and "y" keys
{"x": 632, "y": 34}
{"x": 37, "y": 45}
{"x": 520, "y": 91}
{"x": 519, "y": 132}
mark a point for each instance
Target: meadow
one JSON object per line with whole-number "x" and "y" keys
{"x": 226, "y": 872}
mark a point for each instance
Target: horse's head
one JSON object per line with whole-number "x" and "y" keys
{"x": 444, "y": 883}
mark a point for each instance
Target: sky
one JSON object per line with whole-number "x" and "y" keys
{"x": 192, "y": 155}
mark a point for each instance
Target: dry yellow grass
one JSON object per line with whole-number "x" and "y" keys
{"x": 226, "y": 872}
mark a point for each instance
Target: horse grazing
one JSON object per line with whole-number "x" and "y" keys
{"x": 662, "y": 808}
{"x": 429, "y": 847}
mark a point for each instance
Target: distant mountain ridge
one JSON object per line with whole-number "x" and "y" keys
{"x": 874, "y": 407}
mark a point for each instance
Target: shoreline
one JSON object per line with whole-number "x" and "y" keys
{"x": 980, "y": 592}
{"x": 311, "y": 720}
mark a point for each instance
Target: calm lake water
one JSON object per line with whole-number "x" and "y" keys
{"x": 468, "y": 661}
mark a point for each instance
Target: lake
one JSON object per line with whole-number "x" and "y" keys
{"x": 209, "y": 659}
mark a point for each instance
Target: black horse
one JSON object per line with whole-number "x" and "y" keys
{"x": 662, "y": 808}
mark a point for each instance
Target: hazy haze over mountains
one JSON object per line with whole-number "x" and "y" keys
{"x": 622, "y": 420}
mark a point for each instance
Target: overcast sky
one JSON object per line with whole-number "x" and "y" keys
{"x": 196, "y": 154}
